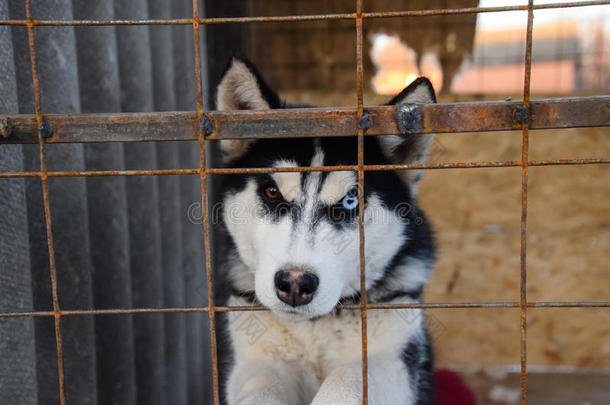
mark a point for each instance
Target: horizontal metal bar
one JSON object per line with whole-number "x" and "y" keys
{"x": 254, "y": 170}
{"x": 184, "y": 21}
{"x": 63, "y": 23}
{"x": 479, "y": 10}
{"x": 123, "y": 127}
{"x": 309, "y": 122}
{"x": 430, "y": 305}
{"x": 109, "y": 173}
{"x": 308, "y": 17}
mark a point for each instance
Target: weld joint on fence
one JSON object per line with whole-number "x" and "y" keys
{"x": 6, "y": 127}
{"x": 206, "y": 125}
{"x": 409, "y": 119}
{"x": 46, "y": 130}
{"x": 521, "y": 114}
{"x": 365, "y": 121}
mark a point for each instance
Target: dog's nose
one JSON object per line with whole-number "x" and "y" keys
{"x": 296, "y": 287}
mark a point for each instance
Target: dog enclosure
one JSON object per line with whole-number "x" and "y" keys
{"x": 110, "y": 134}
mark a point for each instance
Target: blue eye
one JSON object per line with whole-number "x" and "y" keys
{"x": 350, "y": 202}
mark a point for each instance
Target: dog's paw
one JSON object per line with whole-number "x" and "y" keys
{"x": 260, "y": 401}
{"x": 261, "y": 389}
{"x": 342, "y": 387}
{"x": 261, "y": 394}
{"x": 262, "y": 397}
{"x": 338, "y": 399}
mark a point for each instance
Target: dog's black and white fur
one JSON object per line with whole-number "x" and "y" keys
{"x": 293, "y": 245}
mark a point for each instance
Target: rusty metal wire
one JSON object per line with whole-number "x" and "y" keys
{"x": 524, "y": 178}
{"x": 553, "y": 113}
{"x": 203, "y": 175}
{"x": 297, "y": 18}
{"x": 356, "y": 307}
{"x": 262, "y": 170}
{"x": 360, "y": 134}
{"x": 47, "y": 206}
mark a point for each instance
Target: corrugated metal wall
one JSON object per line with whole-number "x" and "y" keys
{"x": 120, "y": 242}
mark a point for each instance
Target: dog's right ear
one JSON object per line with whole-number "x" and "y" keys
{"x": 242, "y": 88}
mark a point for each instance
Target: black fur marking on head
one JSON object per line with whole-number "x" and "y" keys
{"x": 411, "y": 294}
{"x": 337, "y": 215}
{"x": 391, "y": 189}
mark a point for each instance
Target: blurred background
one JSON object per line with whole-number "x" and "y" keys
{"x": 134, "y": 242}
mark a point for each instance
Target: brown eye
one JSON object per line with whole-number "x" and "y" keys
{"x": 272, "y": 193}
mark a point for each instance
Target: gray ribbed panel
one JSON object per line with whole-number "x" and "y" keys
{"x": 107, "y": 204}
{"x": 173, "y": 276}
{"x": 121, "y": 241}
{"x": 18, "y": 365}
{"x": 171, "y": 237}
{"x": 134, "y": 57}
{"x": 204, "y": 60}
{"x": 23, "y": 72}
{"x": 8, "y": 90}
{"x": 224, "y": 40}
{"x": 162, "y": 48}
{"x": 143, "y": 210}
{"x": 198, "y": 342}
{"x": 184, "y": 58}
{"x": 59, "y": 90}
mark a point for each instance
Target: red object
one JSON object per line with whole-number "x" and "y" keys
{"x": 451, "y": 389}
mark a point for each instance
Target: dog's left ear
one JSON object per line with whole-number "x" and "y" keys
{"x": 410, "y": 149}
{"x": 242, "y": 88}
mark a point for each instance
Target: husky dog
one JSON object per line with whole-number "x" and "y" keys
{"x": 293, "y": 246}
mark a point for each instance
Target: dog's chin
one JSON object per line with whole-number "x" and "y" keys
{"x": 289, "y": 314}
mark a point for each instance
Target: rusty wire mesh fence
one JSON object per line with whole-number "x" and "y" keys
{"x": 202, "y": 125}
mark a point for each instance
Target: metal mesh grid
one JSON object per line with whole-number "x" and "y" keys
{"x": 583, "y": 111}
